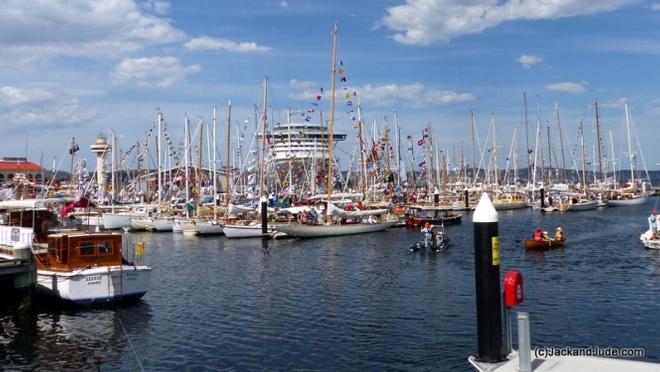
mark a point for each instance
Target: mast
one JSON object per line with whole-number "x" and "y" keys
{"x": 631, "y": 156}
{"x": 549, "y": 153}
{"x": 72, "y": 150}
{"x": 264, "y": 122}
{"x": 515, "y": 155}
{"x": 600, "y": 159}
{"x": 215, "y": 162}
{"x": 363, "y": 164}
{"x": 495, "y": 154}
{"x": 228, "y": 168}
{"x": 536, "y": 151}
{"x": 186, "y": 155}
{"x": 199, "y": 160}
{"x": 584, "y": 166}
{"x": 561, "y": 144}
{"x": 474, "y": 145}
{"x": 398, "y": 149}
{"x": 331, "y": 131}
{"x": 529, "y": 167}
{"x": 613, "y": 161}
{"x": 388, "y": 154}
{"x": 113, "y": 168}
{"x": 158, "y": 157}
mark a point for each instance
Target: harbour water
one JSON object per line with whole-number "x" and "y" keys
{"x": 349, "y": 303}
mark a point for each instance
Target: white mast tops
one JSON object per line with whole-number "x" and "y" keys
{"x": 485, "y": 211}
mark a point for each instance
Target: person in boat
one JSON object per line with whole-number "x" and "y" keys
{"x": 538, "y": 234}
{"x": 546, "y": 236}
{"x": 426, "y": 230}
{"x": 653, "y": 222}
{"x": 559, "y": 234}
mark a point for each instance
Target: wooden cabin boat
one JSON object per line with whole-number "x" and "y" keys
{"x": 544, "y": 243}
{"x": 510, "y": 200}
{"x": 89, "y": 268}
{"x": 418, "y": 215}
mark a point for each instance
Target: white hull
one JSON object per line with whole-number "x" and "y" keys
{"x": 90, "y": 220}
{"x": 247, "y": 231}
{"x": 624, "y": 202}
{"x": 112, "y": 221}
{"x": 582, "y": 206}
{"x": 98, "y": 284}
{"x": 188, "y": 227}
{"x": 209, "y": 228}
{"x": 507, "y": 205}
{"x": 163, "y": 224}
{"x": 317, "y": 231}
{"x": 649, "y": 241}
{"x": 142, "y": 224}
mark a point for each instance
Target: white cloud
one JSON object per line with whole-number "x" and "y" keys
{"x": 158, "y": 6}
{"x": 156, "y": 71}
{"x": 566, "y": 87}
{"x": 284, "y": 4}
{"x": 300, "y": 84}
{"x": 393, "y": 95}
{"x": 527, "y": 60}
{"x": 617, "y": 103}
{"x": 38, "y": 107}
{"x": 210, "y": 43}
{"x": 655, "y": 6}
{"x": 427, "y": 21}
{"x": 32, "y": 32}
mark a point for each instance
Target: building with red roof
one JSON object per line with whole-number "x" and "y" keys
{"x": 11, "y": 166}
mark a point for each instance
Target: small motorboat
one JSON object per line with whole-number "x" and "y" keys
{"x": 437, "y": 241}
{"x": 650, "y": 240}
{"x": 544, "y": 243}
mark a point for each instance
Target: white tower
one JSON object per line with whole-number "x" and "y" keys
{"x": 101, "y": 148}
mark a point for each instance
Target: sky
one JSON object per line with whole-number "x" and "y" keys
{"x": 77, "y": 68}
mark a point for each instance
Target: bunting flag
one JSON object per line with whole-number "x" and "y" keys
{"x": 420, "y": 142}
{"x": 74, "y": 149}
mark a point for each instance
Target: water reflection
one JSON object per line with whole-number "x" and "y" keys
{"x": 48, "y": 335}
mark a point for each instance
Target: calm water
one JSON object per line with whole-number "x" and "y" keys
{"x": 349, "y": 303}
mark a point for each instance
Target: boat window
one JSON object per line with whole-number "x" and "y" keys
{"x": 86, "y": 249}
{"x": 105, "y": 248}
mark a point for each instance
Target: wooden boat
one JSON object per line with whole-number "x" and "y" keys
{"x": 88, "y": 268}
{"x": 626, "y": 199}
{"x": 418, "y": 215}
{"x": 507, "y": 201}
{"x": 544, "y": 243}
{"x": 581, "y": 204}
{"x": 650, "y": 240}
{"x": 318, "y": 231}
{"x": 251, "y": 230}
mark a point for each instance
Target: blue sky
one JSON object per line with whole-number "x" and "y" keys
{"x": 78, "y": 67}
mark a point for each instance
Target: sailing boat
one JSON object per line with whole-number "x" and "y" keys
{"x": 630, "y": 195}
{"x": 329, "y": 228}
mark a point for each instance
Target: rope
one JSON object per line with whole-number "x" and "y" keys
{"x": 130, "y": 344}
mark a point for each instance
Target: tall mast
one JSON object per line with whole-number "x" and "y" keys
{"x": 363, "y": 164}
{"x": 264, "y": 122}
{"x": 398, "y": 149}
{"x": 228, "y": 164}
{"x": 388, "y": 153}
{"x": 536, "y": 151}
{"x": 158, "y": 157}
{"x": 529, "y": 167}
{"x": 474, "y": 145}
{"x": 584, "y": 166}
{"x": 215, "y": 161}
{"x": 613, "y": 160}
{"x": 600, "y": 159}
{"x": 333, "y": 78}
{"x": 186, "y": 156}
{"x": 561, "y": 144}
{"x": 631, "y": 156}
{"x": 515, "y": 155}
{"x": 549, "y": 154}
{"x": 113, "y": 167}
{"x": 199, "y": 160}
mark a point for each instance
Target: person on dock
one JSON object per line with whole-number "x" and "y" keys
{"x": 538, "y": 234}
{"x": 653, "y": 222}
{"x": 559, "y": 234}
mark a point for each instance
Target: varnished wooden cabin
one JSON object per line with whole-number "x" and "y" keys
{"x": 67, "y": 252}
